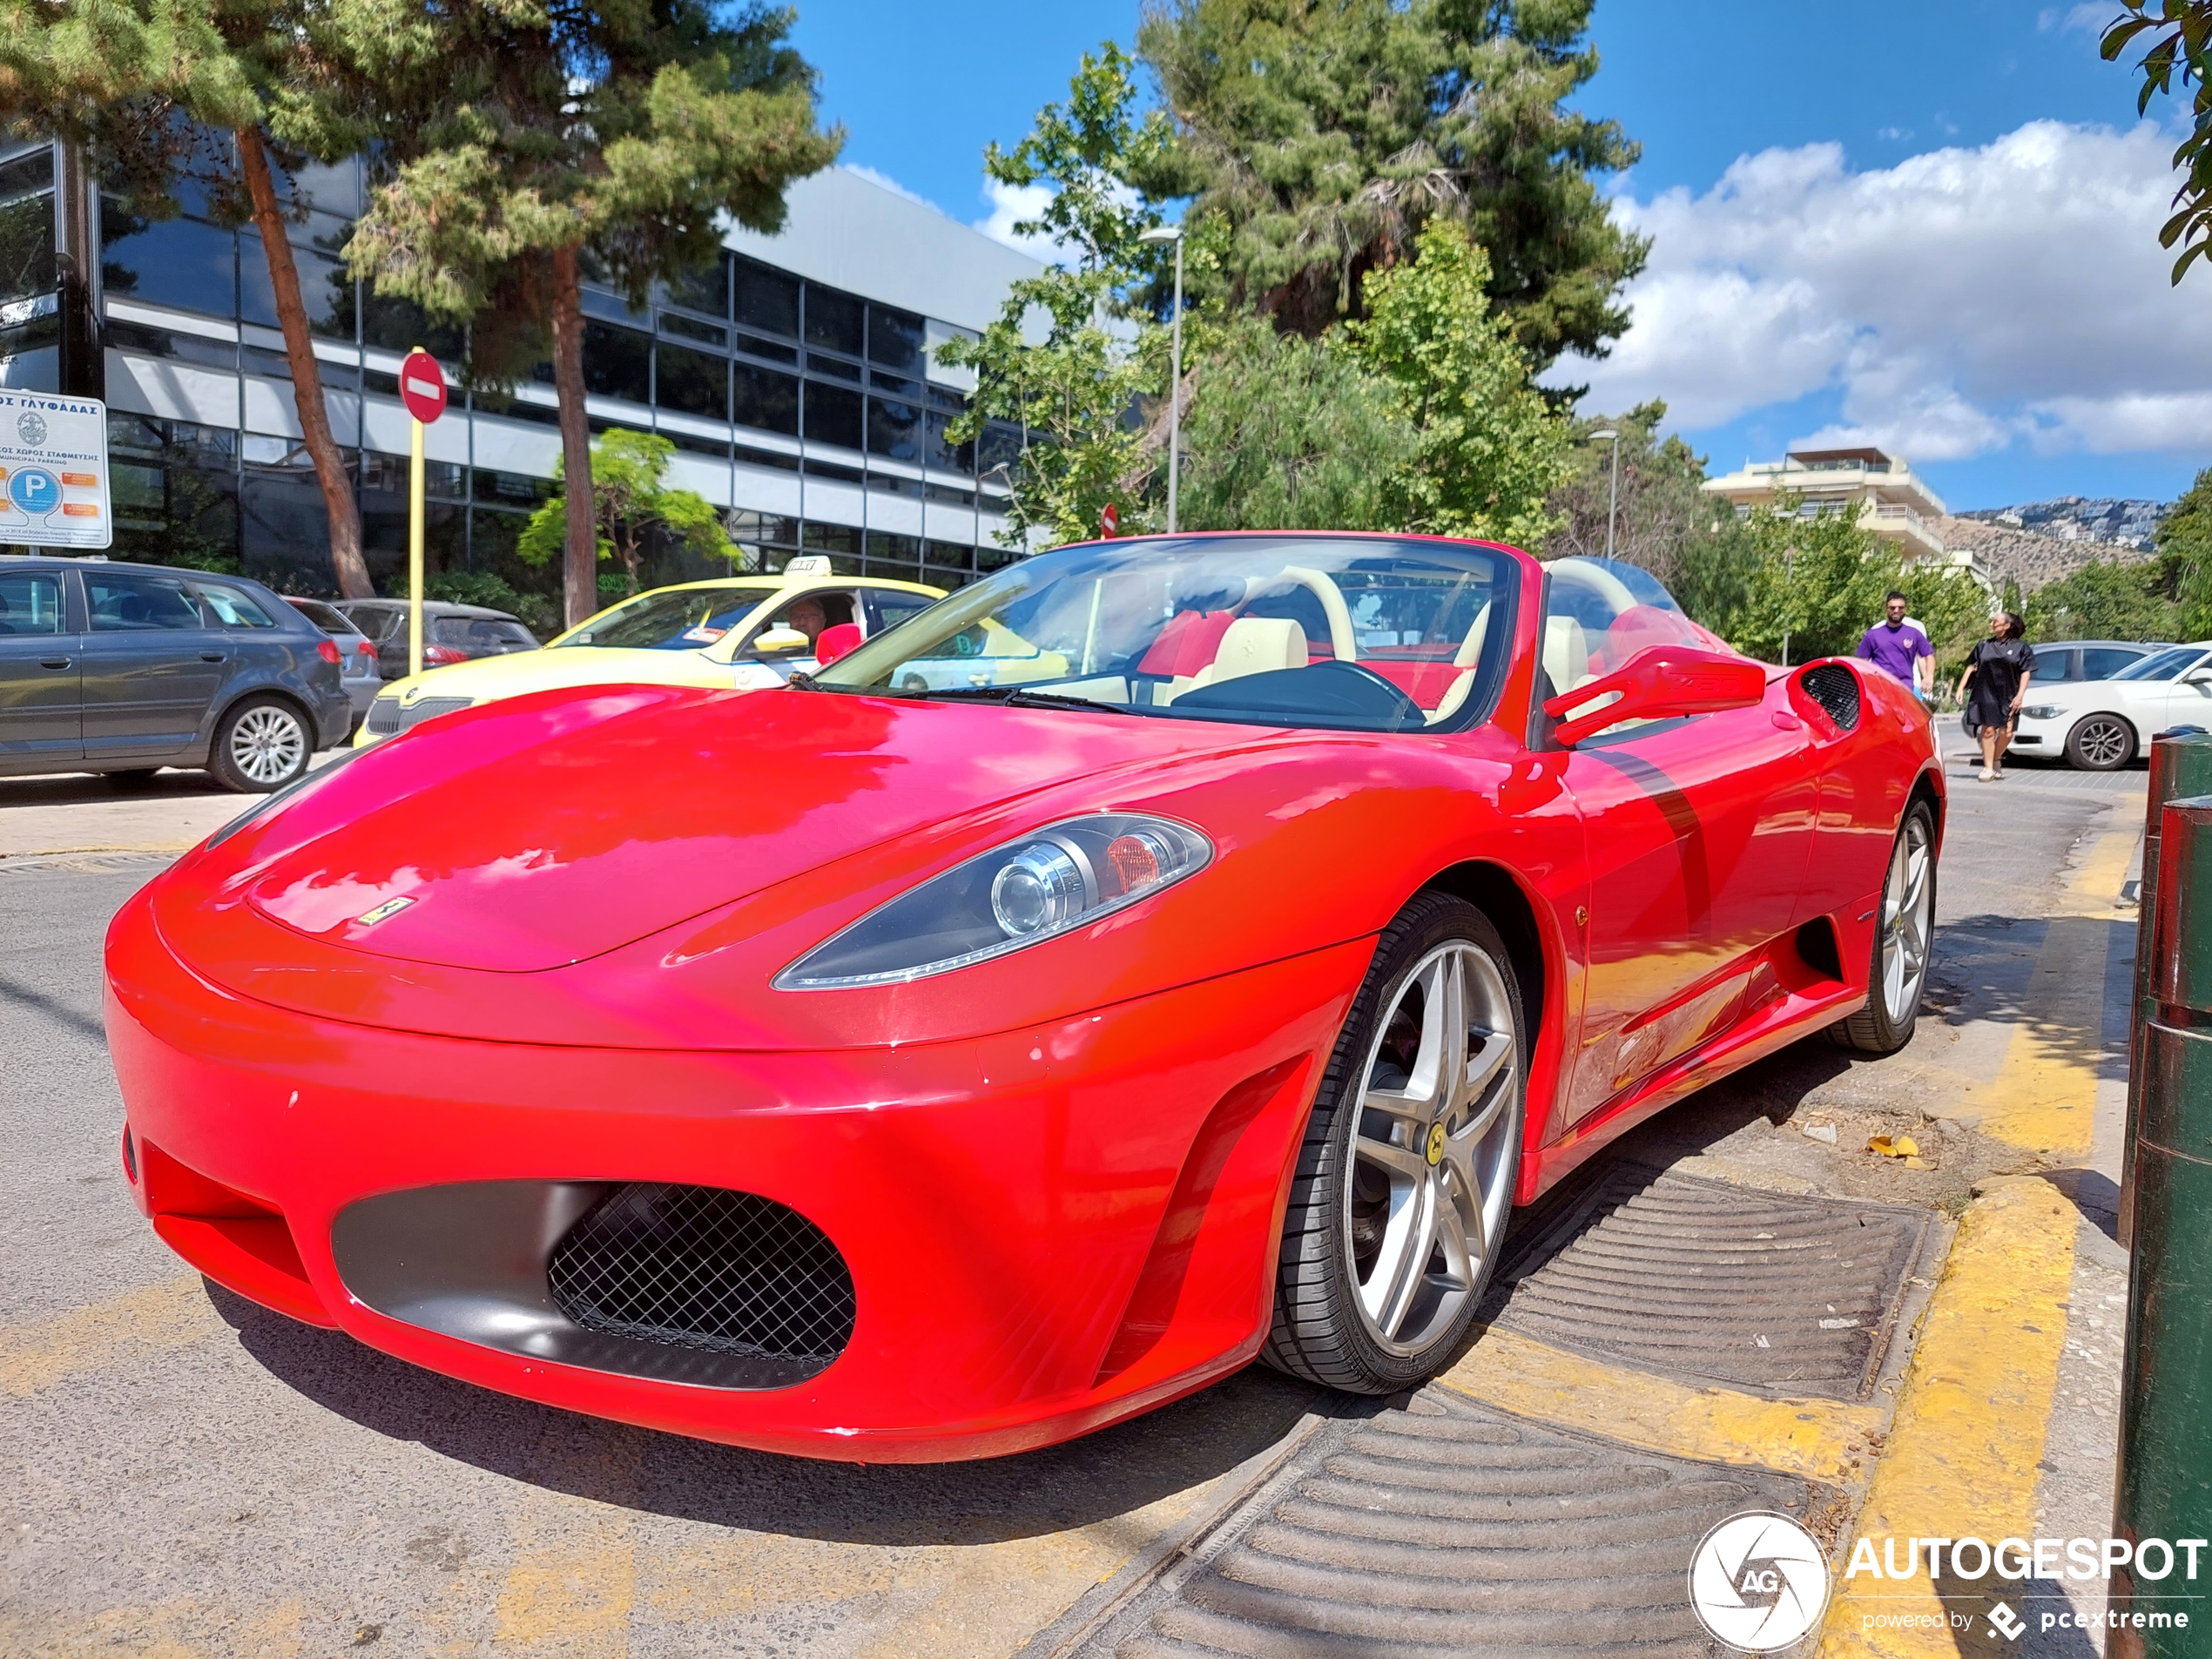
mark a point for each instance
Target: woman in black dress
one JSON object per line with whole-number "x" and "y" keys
{"x": 1998, "y": 670}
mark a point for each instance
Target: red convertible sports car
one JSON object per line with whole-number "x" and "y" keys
{"x": 944, "y": 1056}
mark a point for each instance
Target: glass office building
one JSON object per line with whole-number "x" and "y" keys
{"x": 795, "y": 379}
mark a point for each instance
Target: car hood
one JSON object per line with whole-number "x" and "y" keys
{"x": 537, "y": 833}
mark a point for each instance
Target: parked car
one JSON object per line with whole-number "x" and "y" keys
{"x": 451, "y": 633}
{"x": 2091, "y": 660}
{"x": 2100, "y": 725}
{"x": 128, "y": 668}
{"x": 357, "y": 666}
{"x": 910, "y": 1076}
{"x": 729, "y": 633}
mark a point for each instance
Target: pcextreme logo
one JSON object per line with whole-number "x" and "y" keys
{"x": 1758, "y": 1582}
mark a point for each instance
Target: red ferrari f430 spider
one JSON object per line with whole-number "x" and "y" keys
{"x": 1163, "y": 953}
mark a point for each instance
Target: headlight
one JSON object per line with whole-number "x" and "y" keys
{"x": 2042, "y": 711}
{"x": 1060, "y": 878}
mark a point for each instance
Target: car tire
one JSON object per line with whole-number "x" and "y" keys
{"x": 1897, "y": 977}
{"x": 133, "y": 777}
{"x": 260, "y": 745}
{"x": 2100, "y": 743}
{"x": 1397, "y": 1204}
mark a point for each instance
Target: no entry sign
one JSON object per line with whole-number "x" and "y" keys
{"x": 422, "y": 386}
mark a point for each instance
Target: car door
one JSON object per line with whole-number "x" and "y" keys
{"x": 1699, "y": 831}
{"x": 2169, "y": 700}
{"x": 42, "y": 703}
{"x": 153, "y": 664}
{"x": 2188, "y": 698}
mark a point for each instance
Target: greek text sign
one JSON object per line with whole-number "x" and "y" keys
{"x": 53, "y": 471}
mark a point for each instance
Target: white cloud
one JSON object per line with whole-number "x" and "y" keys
{"x": 1011, "y": 204}
{"x": 889, "y": 183}
{"x": 1962, "y": 300}
{"x": 2090, "y": 17}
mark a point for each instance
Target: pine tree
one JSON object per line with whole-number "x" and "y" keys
{"x": 523, "y": 140}
{"x": 148, "y": 84}
{"x": 1328, "y": 132}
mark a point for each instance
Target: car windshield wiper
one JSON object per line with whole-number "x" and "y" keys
{"x": 1016, "y": 697}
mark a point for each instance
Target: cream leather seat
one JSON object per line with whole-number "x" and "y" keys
{"x": 1252, "y": 646}
{"x": 1566, "y": 653}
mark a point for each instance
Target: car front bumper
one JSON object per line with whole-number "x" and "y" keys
{"x": 1046, "y": 1231}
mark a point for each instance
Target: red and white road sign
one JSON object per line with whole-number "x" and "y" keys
{"x": 422, "y": 386}
{"x": 1109, "y": 520}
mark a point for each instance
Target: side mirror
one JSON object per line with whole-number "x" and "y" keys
{"x": 835, "y": 642}
{"x": 1659, "y": 683}
{"x": 780, "y": 642}
{"x": 2198, "y": 676}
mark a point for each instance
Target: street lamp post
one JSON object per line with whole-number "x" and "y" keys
{"x": 1612, "y": 495}
{"x": 1173, "y": 234}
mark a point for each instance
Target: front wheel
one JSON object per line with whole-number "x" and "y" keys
{"x": 1398, "y": 1206}
{"x": 1904, "y": 937}
{"x": 2100, "y": 743}
{"x": 262, "y": 745}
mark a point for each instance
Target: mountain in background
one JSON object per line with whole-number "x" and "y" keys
{"x": 2078, "y": 518}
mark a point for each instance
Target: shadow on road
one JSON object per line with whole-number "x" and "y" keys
{"x": 1096, "y": 1478}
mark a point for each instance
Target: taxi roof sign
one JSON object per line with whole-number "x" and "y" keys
{"x": 809, "y": 564}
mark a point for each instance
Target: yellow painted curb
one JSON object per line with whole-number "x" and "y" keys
{"x": 42, "y": 1352}
{"x": 1961, "y": 1457}
{"x": 1821, "y": 1439}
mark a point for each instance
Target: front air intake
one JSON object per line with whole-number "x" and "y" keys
{"x": 1836, "y": 689}
{"x": 704, "y": 1268}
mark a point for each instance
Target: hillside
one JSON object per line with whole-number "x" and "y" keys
{"x": 2129, "y": 522}
{"x": 2027, "y": 556}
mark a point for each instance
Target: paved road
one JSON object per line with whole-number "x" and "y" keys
{"x": 181, "y": 1471}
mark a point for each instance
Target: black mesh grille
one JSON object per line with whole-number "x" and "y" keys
{"x": 1836, "y": 689}
{"x": 700, "y": 1267}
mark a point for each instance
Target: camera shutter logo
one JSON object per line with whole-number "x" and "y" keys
{"x": 30, "y": 426}
{"x": 1758, "y": 1582}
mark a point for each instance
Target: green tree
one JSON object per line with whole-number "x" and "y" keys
{"x": 523, "y": 141}
{"x": 1663, "y": 520}
{"x": 1809, "y": 585}
{"x": 2181, "y": 44}
{"x": 2106, "y": 599}
{"x": 631, "y": 508}
{"x": 1488, "y": 449}
{"x": 1285, "y": 433}
{"x": 1326, "y": 133}
{"x": 2185, "y": 559}
{"x": 1066, "y": 358}
{"x": 142, "y": 82}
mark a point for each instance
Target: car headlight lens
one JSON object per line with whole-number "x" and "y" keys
{"x": 1062, "y": 877}
{"x": 2042, "y": 711}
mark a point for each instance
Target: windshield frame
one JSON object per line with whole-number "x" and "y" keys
{"x": 988, "y": 599}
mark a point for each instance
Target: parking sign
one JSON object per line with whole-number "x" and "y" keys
{"x": 53, "y": 472}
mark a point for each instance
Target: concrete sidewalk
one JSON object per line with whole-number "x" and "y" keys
{"x": 87, "y": 812}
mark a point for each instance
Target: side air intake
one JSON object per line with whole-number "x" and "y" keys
{"x": 1836, "y": 689}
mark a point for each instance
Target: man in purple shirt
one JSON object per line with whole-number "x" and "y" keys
{"x": 1899, "y": 648}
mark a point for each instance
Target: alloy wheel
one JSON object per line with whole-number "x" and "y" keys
{"x": 267, "y": 744}
{"x": 2103, "y": 743}
{"x": 1432, "y": 1147}
{"x": 1907, "y": 900}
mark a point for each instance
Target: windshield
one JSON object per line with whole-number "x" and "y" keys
{"x": 673, "y": 619}
{"x": 2165, "y": 665}
{"x": 1365, "y": 633}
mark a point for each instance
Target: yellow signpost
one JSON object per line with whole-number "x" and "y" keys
{"x": 422, "y": 389}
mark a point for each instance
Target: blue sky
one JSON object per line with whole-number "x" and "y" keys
{"x": 1944, "y": 276}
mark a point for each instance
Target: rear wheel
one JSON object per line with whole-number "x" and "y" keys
{"x": 262, "y": 745}
{"x": 1904, "y": 936}
{"x": 2100, "y": 743}
{"x": 1398, "y": 1207}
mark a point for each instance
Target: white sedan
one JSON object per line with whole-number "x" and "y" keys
{"x": 2100, "y": 725}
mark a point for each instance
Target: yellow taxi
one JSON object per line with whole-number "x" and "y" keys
{"x": 736, "y": 632}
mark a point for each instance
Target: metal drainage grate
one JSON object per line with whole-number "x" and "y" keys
{"x": 1836, "y": 689}
{"x": 1767, "y": 1292}
{"x": 701, "y": 1267}
{"x": 1452, "y": 1527}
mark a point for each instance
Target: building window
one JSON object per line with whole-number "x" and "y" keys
{"x": 692, "y": 382}
{"x": 617, "y": 362}
{"x": 832, "y": 415}
{"x": 894, "y": 430}
{"x": 894, "y": 338}
{"x": 767, "y": 300}
{"x": 834, "y": 320}
{"x": 706, "y": 288}
{"x": 177, "y": 262}
{"x": 27, "y": 224}
{"x": 832, "y": 538}
{"x": 764, "y": 399}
